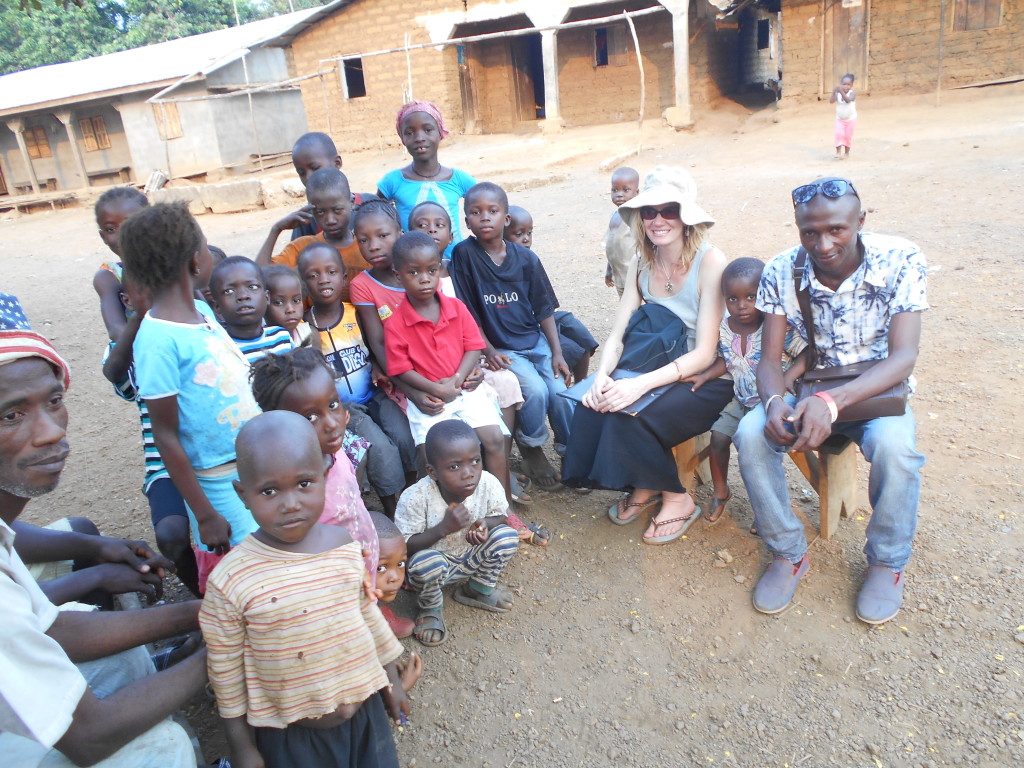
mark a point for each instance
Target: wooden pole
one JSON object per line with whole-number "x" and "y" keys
{"x": 643, "y": 84}
{"x": 327, "y": 104}
{"x": 408, "y": 67}
{"x": 942, "y": 41}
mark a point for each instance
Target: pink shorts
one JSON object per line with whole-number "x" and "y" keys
{"x": 844, "y": 132}
{"x": 205, "y": 563}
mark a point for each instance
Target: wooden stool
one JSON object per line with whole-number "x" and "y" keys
{"x": 692, "y": 461}
{"x": 831, "y": 471}
{"x": 833, "y": 474}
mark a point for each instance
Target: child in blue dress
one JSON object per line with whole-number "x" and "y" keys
{"x": 194, "y": 379}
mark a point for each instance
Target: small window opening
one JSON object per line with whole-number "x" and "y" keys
{"x": 354, "y": 84}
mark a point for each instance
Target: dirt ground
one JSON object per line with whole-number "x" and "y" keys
{"x": 622, "y": 654}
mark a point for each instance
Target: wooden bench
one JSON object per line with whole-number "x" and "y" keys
{"x": 110, "y": 176}
{"x": 831, "y": 471}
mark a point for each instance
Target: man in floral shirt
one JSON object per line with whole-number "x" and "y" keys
{"x": 867, "y": 294}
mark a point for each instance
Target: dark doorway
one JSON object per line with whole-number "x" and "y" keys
{"x": 528, "y": 76}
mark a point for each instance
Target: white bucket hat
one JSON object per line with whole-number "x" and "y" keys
{"x": 667, "y": 184}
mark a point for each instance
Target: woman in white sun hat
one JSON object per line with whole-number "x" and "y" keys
{"x": 614, "y": 444}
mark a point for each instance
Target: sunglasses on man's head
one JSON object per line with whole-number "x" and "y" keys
{"x": 668, "y": 213}
{"x": 830, "y": 188}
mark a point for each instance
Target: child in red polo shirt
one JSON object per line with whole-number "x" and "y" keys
{"x": 433, "y": 344}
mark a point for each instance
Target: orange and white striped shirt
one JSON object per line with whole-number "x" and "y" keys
{"x": 292, "y": 635}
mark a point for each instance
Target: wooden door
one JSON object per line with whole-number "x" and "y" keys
{"x": 3, "y": 182}
{"x": 846, "y": 43}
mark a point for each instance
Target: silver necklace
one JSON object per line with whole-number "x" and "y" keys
{"x": 669, "y": 285}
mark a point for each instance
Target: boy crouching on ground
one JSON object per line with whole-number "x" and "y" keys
{"x": 453, "y": 521}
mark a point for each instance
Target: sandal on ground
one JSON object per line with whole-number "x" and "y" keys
{"x": 431, "y": 619}
{"x": 621, "y": 506}
{"x": 532, "y": 533}
{"x": 518, "y": 490}
{"x": 468, "y": 596}
{"x": 717, "y": 508}
{"x": 178, "y": 650}
{"x": 670, "y": 537}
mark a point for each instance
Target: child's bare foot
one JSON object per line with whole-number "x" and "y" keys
{"x": 430, "y": 629}
{"x": 499, "y": 601}
{"x": 539, "y": 469}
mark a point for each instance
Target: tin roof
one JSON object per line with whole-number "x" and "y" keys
{"x": 151, "y": 66}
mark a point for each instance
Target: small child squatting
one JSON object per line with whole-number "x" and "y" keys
{"x": 454, "y": 524}
{"x": 297, "y": 649}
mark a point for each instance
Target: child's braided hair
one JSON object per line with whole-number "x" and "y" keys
{"x": 271, "y": 375}
{"x": 376, "y": 205}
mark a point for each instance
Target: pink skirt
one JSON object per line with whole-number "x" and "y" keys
{"x": 844, "y": 132}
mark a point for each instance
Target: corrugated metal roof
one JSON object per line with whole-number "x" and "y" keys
{"x": 153, "y": 64}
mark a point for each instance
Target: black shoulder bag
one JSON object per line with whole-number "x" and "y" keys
{"x": 889, "y": 402}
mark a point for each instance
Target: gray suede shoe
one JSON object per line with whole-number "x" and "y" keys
{"x": 775, "y": 589}
{"x": 881, "y": 597}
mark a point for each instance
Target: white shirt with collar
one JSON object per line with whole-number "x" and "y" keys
{"x": 40, "y": 687}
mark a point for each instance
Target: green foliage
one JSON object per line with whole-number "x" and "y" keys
{"x": 50, "y": 34}
{"x": 42, "y": 32}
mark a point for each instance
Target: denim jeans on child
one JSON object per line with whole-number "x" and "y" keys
{"x": 540, "y": 396}
{"x": 894, "y": 486}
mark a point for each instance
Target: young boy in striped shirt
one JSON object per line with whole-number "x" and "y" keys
{"x": 297, "y": 650}
{"x": 240, "y": 300}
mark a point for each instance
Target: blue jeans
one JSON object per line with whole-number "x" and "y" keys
{"x": 894, "y": 486}
{"x": 540, "y": 396}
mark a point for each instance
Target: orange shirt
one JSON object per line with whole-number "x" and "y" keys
{"x": 350, "y": 255}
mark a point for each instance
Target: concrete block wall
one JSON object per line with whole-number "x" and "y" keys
{"x": 369, "y": 25}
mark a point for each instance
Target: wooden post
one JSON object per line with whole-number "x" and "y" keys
{"x": 643, "y": 83}
{"x": 942, "y": 42}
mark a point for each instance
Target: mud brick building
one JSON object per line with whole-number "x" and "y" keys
{"x": 580, "y": 75}
{"x": 899, "y": 46}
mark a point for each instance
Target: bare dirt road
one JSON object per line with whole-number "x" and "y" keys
{"x": 623, "y": 654}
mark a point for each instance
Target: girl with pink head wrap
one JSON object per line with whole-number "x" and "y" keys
{"x": 421, "y": 127}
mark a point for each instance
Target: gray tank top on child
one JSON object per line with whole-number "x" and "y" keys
{"x": 684, "y": 304}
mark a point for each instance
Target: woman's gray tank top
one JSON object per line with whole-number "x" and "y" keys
{"x": 686, "y": 303}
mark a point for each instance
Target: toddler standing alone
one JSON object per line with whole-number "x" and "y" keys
{"x": 844, "y": 97}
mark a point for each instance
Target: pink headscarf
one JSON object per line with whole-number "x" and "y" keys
{"x": 427, "y": 107}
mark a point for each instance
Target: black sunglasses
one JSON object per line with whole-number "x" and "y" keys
{"x": 830, "y": 188}
{"x": 668, "y": 213}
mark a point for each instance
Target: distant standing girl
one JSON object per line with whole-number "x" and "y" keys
{"x": 421, "y": 128}
{"x": 844, "y": 98}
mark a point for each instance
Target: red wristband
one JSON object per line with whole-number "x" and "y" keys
{"x": 833, "y": 409}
